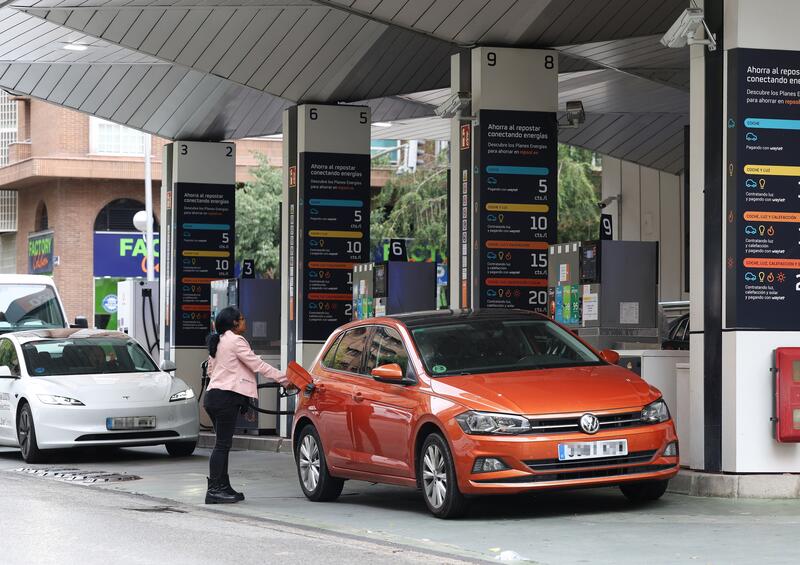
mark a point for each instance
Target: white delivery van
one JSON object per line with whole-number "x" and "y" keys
{"x": 31, "y": 302}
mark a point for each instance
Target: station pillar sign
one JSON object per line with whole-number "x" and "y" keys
{"x": 762, "y": 219}
{"x": 514, "y": 184}
{"x": 326, "y": 207}
{"x": 198, "y": 211}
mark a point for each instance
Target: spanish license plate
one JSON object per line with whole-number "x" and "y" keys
{"x": 131, "y": 423}
{"x": 592, "y": 449}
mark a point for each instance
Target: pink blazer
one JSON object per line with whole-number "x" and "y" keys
{"x": 235, "y": 366}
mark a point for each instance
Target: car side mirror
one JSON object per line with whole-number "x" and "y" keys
{"x": 168, "y": 366}
{"x": 391, "y": 372}
{"x": 81, "y": 323}
{"x": 609, "y": 356}
{"x": 5, "y": 373}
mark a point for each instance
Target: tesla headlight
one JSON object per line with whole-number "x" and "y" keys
{"x": 182, "y": 395}
{"x": 490, "y": 423}
{"x": 59, "y": 400}
{"x": 655, "y": 412}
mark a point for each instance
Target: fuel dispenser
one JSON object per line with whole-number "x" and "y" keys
{"x": 606, "y": 290}
{"x": 396, "y": 287}
{"x": 138, "y": 313}
{"x": 260, "y": 302}
{"x": 787, "y": 394}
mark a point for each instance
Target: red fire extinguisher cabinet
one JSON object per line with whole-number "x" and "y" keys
{"x": 787, "y": 394}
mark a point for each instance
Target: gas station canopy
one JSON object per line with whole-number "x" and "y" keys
{"x": 226, "y": 69}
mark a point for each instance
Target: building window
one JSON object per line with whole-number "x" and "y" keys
{"x": 118, "y": 216}
{"x": 42, "y": 223}
{"x": 108, "y": 138}
{"x": 8, "y": 125}
{"x": 382, "y": 154}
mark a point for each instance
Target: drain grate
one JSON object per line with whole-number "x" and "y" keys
{"x": 71, "y": 474}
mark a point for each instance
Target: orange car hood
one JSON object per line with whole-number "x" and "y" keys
{"x": 548, "y": 391}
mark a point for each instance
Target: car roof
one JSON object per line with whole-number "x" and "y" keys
{"x": 67, "y": 333}
{"x": 443, "y": 317}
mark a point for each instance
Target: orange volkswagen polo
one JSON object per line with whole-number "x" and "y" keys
{"x": 460, "y": 403}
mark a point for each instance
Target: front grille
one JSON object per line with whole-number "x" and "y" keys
{"x": 110, "y": 436}
{"x": 571, "y": 424}
{"x": 589, "y": 474}
{"x": 556, "y": 465}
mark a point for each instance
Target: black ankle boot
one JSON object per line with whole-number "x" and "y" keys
{"x": 216, "y": 494}
{"x": 226, "y": 484}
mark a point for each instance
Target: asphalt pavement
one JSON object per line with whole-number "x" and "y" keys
{"x": 51, "y": 518}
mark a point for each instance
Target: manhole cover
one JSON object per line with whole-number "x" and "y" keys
{"x": 71, "y": 474}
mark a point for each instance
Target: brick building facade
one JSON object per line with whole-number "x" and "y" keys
{"x": 57, "y": 165}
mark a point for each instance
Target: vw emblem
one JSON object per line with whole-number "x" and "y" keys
{"x": 590, "y": 424}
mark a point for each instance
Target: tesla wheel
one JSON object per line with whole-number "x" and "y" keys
{"x": 437, "y": 476}
{"x": 26, "y": 435}
{"x": 315, "y": 480}
{"x": 645, "y": 491}
{"x": 181, "y": 448}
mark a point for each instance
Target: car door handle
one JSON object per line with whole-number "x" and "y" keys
{"x": 358, "y": 397}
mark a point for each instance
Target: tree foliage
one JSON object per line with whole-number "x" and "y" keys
{"x": 258, "y": 218}
{"x": 413, "y": 204}
{"x": 578, "y": 194}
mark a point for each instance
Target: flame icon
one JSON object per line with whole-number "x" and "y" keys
{"x": 770, "y": 278}
{"x": 730, "y": 217}
{"x": 730, "y": 169}
{"x": 771, "y": 231}
{"x": 761, "y": 276}
{"x": 761, "y": 230}
{"x": 762, "y": 183}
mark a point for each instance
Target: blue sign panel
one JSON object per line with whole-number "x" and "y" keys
{"x": 122, "y": 254}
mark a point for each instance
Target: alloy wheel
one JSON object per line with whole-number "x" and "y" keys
{"x": 309, "y": 462}
{"x": 434, "y": 476}
{"x": 24, "y": 434}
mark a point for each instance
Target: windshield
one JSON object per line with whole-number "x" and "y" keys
{"x": 492, "y": 346}
{"x": 29, "y": 307}
{"x": 82, "y": 356}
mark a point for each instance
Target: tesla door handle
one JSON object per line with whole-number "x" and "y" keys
{"x": 358, "y": 397}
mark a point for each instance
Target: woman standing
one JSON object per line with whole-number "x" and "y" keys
{"x": 232, "y": 366}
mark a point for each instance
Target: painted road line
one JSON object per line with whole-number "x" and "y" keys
{"x": 509, "y": 170}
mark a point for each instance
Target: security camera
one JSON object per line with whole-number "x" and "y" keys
{"x": 451, "y": 107}
{"x": 606, "y": 201}
{"x": 684, "y": 31}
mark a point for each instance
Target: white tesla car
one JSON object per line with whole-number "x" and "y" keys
{"x": 76, "y": 387}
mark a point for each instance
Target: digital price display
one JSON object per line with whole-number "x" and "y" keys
{"x": 763, "y": 190}
{"x": 335, "y": 202}
{"x": 205, "y": 217}
{"x": 517, "y": 207}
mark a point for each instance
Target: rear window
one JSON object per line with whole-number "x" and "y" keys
{"x": 350, "y": 351}
{"x": 82, "y": 356}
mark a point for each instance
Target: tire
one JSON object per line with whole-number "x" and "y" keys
{"x": 437, "y": 477}
{"x": 180, "y": 448}
{"x": 312, "y": 469}
{"x": 26, "y": 435}
{"x": 645, "y": 491}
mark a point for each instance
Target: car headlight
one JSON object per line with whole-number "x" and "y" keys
{"x": 489, "y": 423}
{"x": 59, "y": 400}
{"x": 182, "y": 395}
{"x": 655, "y": 412}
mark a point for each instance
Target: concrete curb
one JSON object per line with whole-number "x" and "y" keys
{"x": 694, "y": 483}
{"x": 253, "y": 443}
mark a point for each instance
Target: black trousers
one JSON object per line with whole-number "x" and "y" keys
{"x": 223, "y": 408}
